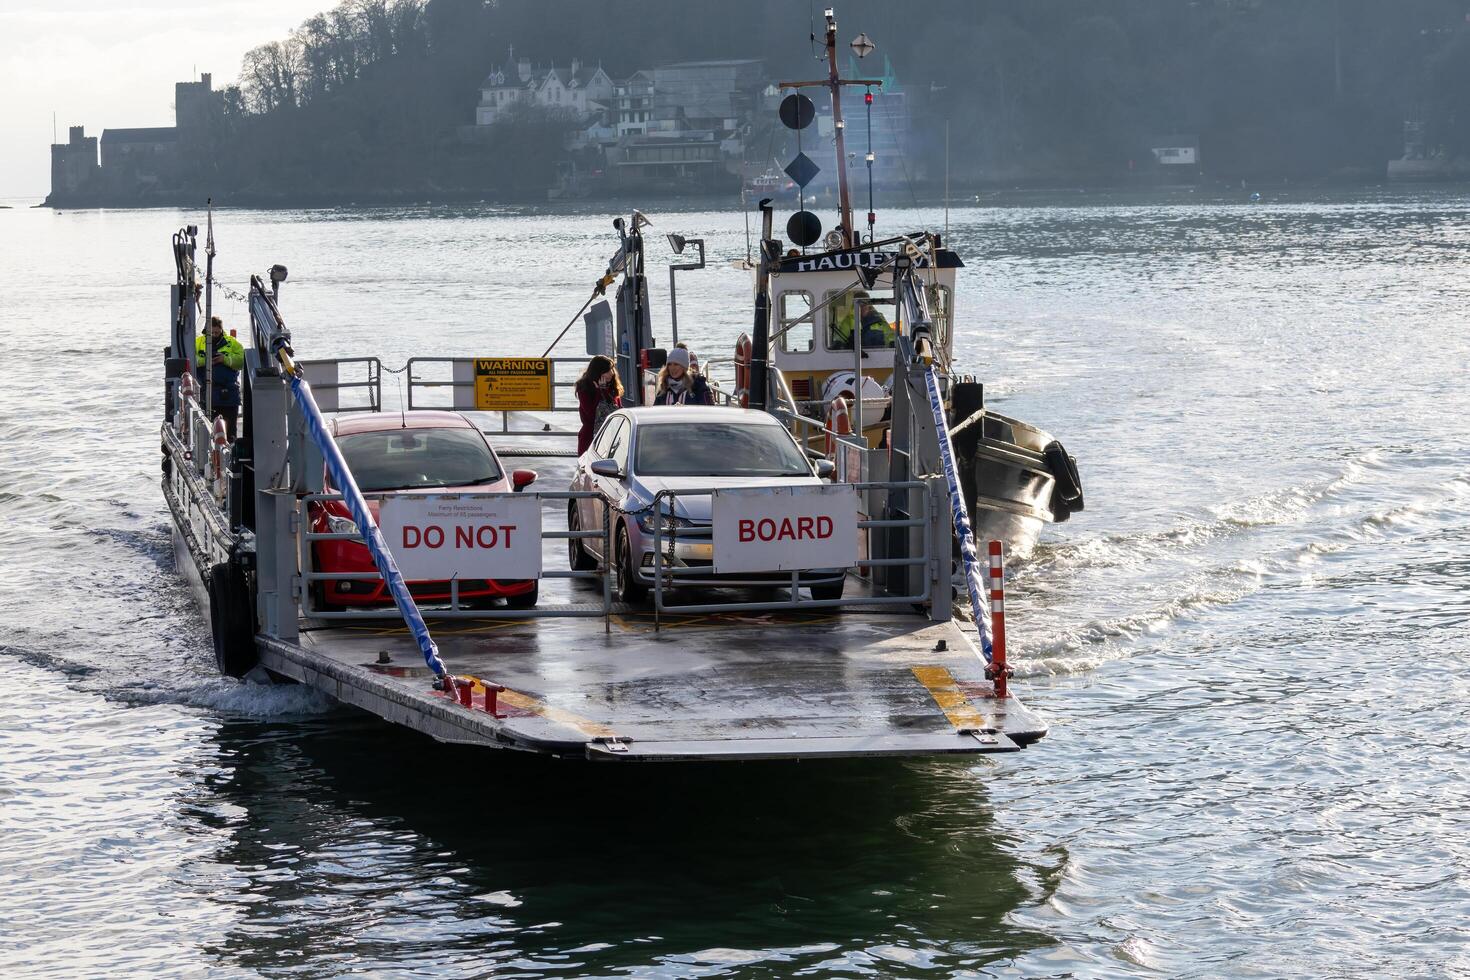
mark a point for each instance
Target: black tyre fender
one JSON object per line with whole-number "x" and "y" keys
{"x": 1066, "y": 494}
{"x": 232, "y": 620}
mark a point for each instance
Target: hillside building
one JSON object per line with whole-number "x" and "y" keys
{"x": 581, "y": 90}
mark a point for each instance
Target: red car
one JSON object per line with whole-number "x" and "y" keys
{"x": 409, "y": 452}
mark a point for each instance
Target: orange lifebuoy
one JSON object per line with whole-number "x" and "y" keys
{"x": 838, "y": 424}
{"x": 743, "y": 348}
{"x": 218, "y": 446}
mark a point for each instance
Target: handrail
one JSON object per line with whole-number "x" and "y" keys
{"x": 973, "y": 583}
{"x": 662, "y": 572}
{"x": 456, "y": 610}
{"x": 263, "y": 311}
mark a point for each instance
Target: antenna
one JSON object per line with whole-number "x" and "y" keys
{"x": 946, "y": 180}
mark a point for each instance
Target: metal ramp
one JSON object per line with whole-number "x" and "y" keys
{"x": 724, "y": 686}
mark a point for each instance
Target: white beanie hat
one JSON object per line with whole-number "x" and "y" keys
{"x": 679, "y": 356}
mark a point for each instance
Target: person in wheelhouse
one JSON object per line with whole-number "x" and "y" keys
{"x": 681, "y": 384}
{"x": 859, "y": 311}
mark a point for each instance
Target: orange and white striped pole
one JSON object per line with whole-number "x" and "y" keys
{"x": 997, "y": 668}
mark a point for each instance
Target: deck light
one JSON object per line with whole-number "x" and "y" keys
{"x": 676, "y": 242}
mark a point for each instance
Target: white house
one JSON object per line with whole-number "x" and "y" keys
{"x": 634, "y": 97}
{"x": 581, "y": 89}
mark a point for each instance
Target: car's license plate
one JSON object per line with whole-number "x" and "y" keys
{"x": 702, "y": 552}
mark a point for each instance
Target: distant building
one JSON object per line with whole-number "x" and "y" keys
{"x": 141, "y": 158}
{"x": 195, "y": 104}
{"x": 125, "y": 161}
{"x": 582, "y": 90}
{"x": 74, "y": 168}
{"x": 689, "y": 160}
{"x": 633, "y": 101}
{"x": 708, "y": 95}
{"x": 1175, "y": 151}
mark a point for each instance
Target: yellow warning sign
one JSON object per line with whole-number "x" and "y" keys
{"x": 512, "y": 384}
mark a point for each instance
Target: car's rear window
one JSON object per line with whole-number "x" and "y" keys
{"x": 717, "y": 449}
{"x": 418, "y": 459}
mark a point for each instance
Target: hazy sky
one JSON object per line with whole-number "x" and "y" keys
{"x": 113, "y": 63}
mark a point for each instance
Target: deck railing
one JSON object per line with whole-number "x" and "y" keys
{"x": 667, "y": 576}
{"x": 456, "y": 607}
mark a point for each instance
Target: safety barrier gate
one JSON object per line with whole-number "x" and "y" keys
{"x": 432, "y": 385}
{"x": 456, "y": 609}
{"x": 345, "y": 384}
{"x": 919, "y": 515}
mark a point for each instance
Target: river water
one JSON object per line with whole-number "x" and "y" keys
{"x": 1251, "y": 647}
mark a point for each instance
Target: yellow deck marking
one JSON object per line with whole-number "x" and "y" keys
{"x": 947, "y": 694}
{"x": 525, "y": 702}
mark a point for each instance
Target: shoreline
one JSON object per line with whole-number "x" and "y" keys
{"x": 969, "y": 195}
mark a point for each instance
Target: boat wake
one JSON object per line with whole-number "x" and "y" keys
{"x": 1079, "y": 605}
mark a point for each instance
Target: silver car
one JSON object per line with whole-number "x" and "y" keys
{"x": 639, "y": 452}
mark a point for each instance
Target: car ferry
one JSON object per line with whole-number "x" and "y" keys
{"x": 641, "y": 613}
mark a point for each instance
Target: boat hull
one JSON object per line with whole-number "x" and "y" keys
{"x": 1007, "y": 485}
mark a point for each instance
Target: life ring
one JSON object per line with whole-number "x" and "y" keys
{"x": 838, "y": 424}
{"x": 743, "y": 353}
{"x": 1066, "y": 491}
{"x": 232, "y": 619}
{"x": 219, "y": 447}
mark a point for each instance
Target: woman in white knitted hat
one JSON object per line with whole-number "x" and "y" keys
{"x": 679, "y": 384}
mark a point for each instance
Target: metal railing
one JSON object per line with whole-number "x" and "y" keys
{"x": 456, "y": 609}
{"x": 325, "y": 377}
{"x": 666, "y": 576}
{"x": 461, "y": 388}
{"x": 187, "y": 490}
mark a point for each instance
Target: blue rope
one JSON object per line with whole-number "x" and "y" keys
{"x": 973, "y": 580}
{"x": 382, "y": 557}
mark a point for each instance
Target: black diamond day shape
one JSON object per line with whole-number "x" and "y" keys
{"x": 802, "y": 170}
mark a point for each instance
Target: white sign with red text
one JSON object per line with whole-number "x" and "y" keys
{"x": 777, "y": 529}
{"x": 435, "y": 537}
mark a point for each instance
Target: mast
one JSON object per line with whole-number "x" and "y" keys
{"x": 834, "y": 83}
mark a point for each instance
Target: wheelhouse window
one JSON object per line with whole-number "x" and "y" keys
{"x": 796, "y": 338}
{"x": 418, "y": 459}
{"x": 870, "y": 312}
{"x": 718, "y": 449}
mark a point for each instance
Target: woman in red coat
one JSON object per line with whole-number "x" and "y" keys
{"x": 599, "y": 393}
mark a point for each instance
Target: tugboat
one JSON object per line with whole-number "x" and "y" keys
{"x": 821, "y": 351}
